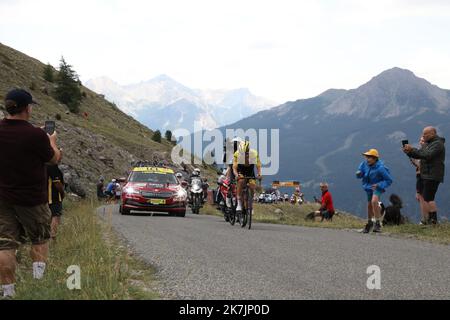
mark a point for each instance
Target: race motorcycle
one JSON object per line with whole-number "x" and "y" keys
{"x": 196, "y": 195}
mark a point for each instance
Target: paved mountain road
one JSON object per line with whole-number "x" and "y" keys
{"x": 202, "y": 257}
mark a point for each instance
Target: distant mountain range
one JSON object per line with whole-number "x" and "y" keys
{"x": 163, "y": 103}
{"x": 322, "y": 138}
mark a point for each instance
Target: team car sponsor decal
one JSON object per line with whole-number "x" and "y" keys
{"x": 154, "y": 170}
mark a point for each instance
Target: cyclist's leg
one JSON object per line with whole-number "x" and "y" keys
{"x": 252, "y": 188}
{"x": 240, "y": 189}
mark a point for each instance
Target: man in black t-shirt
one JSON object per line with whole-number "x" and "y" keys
{"x": 55, "y": 182}
{"x": 24, "y": 210}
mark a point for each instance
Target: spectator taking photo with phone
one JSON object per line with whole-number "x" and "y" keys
{"x": 24, "y": 210}
{"x": 432, "y": 169}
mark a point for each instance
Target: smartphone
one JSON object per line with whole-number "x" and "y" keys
{"x": 50, "y": 127}
{"x": 405, "y": 142}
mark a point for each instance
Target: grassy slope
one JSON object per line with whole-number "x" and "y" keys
{"x": 295, "y": 215}
{"x": 108, "y": 270}
{"x": 108, "y": 131}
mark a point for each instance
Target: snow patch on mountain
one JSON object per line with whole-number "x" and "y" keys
{"x": 212, "y": 108}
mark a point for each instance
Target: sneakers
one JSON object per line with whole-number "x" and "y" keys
{"x": 368, "y": 227}
{"x": 433, "y": 220}
{"x": 377, "y": 227}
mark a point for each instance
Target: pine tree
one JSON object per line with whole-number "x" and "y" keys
{"x": 157, "y": 136}
{"x": 168, "y": 135}
{"x": 48, "y": 73}
{"x": 68, "y": 87}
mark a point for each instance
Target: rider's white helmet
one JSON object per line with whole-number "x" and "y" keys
{"x": 237, "y": 141}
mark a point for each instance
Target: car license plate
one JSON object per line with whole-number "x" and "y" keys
{"x": 157, "y": 201}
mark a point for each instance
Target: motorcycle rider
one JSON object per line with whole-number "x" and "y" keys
{"x": 196, "y": 175}
{"x": 193, "y": 175}
{"x": 244, "y": 163}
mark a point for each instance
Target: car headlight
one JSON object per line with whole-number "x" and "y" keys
{"x": 180, "y": 195}
{"x": 131, "y": 190}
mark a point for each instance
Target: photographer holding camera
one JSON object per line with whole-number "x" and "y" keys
{"x": 24, "y": 210}
{"x": 432, "y": 168}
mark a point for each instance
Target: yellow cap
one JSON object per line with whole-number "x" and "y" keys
{"x": 372, "y": 153}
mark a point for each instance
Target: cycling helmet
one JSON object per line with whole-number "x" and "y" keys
{"x": 179, "y": 175}
{"x": 236, "y": 142}
{"x": 244, "y": 146}
{"x": 195, "y": 173}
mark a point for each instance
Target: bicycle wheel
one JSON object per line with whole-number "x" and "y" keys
{"x": 249, "y": 214}
{"x": 244, "y": 210}
{"x": 244, "y": 217}
{"x": 248, "y": 210}
{"x": 232, "y": 212}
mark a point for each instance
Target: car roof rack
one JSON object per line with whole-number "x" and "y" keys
{"x": 148, "y": 163}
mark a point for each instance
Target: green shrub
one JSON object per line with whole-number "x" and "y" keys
{"x": 48, "y": 73}
{"x": 157, "y": 136}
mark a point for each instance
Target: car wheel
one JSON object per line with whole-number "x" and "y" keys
{"x": 182, "y": 214}
{"x": 123, "y": 211}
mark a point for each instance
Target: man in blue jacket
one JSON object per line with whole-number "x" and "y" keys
{"x": 375, "y": 180}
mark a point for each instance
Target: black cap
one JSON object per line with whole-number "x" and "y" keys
{"x": 21, "y": 97}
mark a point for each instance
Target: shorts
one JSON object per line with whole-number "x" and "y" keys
{"x": 430, "y": 188}
{"x": 251, "y": 182}
{"x": 419, "y": 185}
{"x": 17, "y": 224}
{"x": 327, "y": 215}
{"x": 372, "y": 193}
{"x": 56, "y": 209}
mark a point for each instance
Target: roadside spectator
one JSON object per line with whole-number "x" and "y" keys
{"x": 111, "y": 190}
{"x": 24, "y": 209}
{"x": 326, "y": 210}
{"x": 375, "y": 180}
{"x": 419, "y": 187}
{"x": 101, "y": 189}
{"x": 432, "y": 168}
{"x": 56, "y": 195}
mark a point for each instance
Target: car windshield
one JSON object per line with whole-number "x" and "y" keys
{"x": 151, "y": 177}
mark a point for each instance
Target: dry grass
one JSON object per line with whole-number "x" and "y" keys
{"x": 108, "y": 270}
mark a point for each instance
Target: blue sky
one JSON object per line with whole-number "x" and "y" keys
{"x": 282, "y": 50}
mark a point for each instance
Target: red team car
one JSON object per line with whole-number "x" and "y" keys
{"x": 153, "y": 190}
